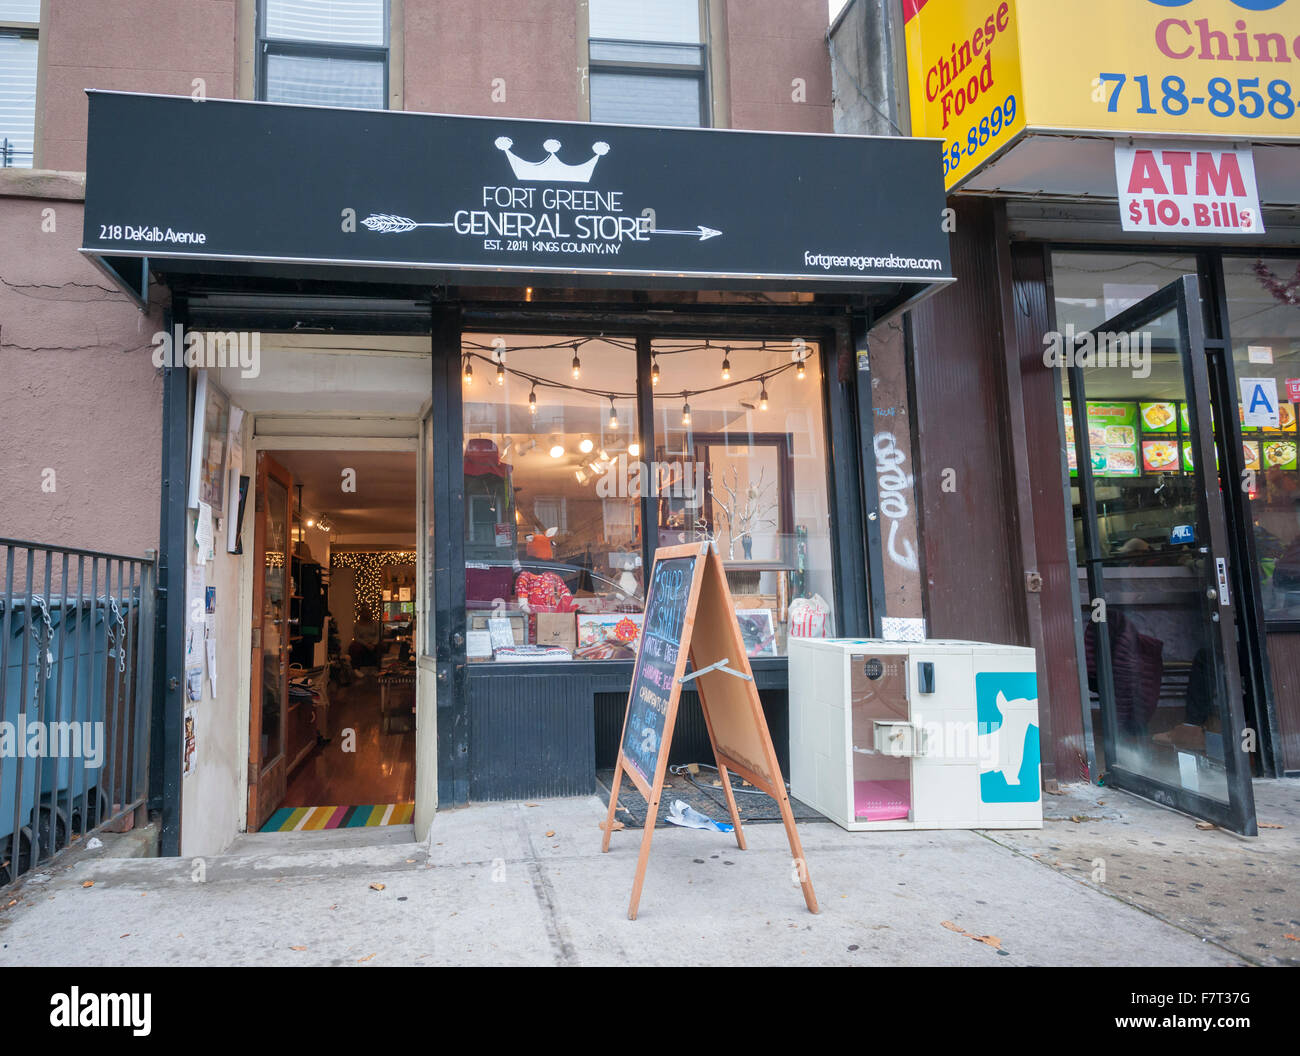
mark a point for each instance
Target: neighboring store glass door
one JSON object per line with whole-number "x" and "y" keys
{"x": 1151, "y": 536}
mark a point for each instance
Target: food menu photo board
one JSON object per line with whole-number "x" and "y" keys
{"x": 1112, "y": 439}
{"x": 1131, "y": 438}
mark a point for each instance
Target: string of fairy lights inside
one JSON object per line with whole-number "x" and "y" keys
{"x": 368, "y": 565}
{"x": 495, "y": 356}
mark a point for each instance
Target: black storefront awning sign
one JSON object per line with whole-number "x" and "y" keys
{"x": 482, "y": 199}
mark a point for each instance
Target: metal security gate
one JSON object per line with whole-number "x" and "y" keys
{"x": 76, "y": 655}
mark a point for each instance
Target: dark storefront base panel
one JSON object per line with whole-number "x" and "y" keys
{"x": 536, "y": 733}
{"x": 691, "y": 736}
{"x": 1284, "y": 659}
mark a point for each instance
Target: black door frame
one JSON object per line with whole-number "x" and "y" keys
{"x": 1256, "y": 670}
{"x": 1182, "y": 296}
{"x": 1257, "y": 674}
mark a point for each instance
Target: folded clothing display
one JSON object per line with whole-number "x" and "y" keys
{"x": 882, "y": 800}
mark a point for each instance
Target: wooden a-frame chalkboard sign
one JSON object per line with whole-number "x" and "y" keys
{"x": 689, "y": 614}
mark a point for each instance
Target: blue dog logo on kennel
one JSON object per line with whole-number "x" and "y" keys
{"x": 1006, "y": 705}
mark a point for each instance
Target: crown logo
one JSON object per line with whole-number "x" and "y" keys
{"x": 551, "y": 169}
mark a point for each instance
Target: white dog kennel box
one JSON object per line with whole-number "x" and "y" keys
{"x": 928, "y": 735}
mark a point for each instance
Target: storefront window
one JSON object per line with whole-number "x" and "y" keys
{"x": 1264, "y": 320}
{"x": 740, "y": 458}
{"x": 553, "y": 547}
{"x": 647, "y": 63}
{"x": 1093, "y": 287}
{"x": 324, "y": 52}
{"x": 558, "y": 470}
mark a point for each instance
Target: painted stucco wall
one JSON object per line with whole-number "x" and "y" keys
{"x": 213, "y": 804}
{"x": 455, "y": 51}
{"x": 156, "y": 46}
{"x": 770, "y": 44}
{"x": 79, "y": 394}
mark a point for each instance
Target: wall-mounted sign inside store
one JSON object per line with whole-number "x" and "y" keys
{"x": 256, "y": 182}
{"x": 1168, "y": 187}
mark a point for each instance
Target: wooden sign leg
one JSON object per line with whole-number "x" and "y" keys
{"x": 796, "y": 851}
{"x": 731, "y": 803}
{"x": 652, "y": 815}
{"x": 613, "y": 803}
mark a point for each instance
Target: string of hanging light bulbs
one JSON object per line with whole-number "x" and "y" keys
{"x": 495, "y": 354}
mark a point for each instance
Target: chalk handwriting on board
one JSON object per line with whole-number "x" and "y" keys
{"x": 656, "y": 665}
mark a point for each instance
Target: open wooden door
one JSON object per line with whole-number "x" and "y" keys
{"x": 268, "y": 711}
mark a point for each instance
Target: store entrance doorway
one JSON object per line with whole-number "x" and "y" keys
{"x": 332, "y": 713}
{"x": 1157, "y": 605}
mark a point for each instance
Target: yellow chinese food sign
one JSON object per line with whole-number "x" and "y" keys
{"x": 980, "y": 73}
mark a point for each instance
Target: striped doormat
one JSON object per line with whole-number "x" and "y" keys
{"x": 307, "y": 819}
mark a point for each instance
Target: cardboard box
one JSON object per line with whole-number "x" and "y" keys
{"x": 558, "y": 629}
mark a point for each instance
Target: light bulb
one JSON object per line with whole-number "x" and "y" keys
{"x": 501, "y": 373}
{"x": 577, "y": 367}
{"x": 654, "y": 371}
{"x": 532, "y": 401}
{"x": 586, "y": 445}
{"x": 726, "y": 368}
{"x": 613, "y": 416}
{"x": 634, "y": 449}
{"x": 762, "y": 398}
{"x": 799, "y": 370}
{"x": 310, "y": 523}
{"x": 557, "y": 450}
{"x": 469, "y": 372}
{"x": 686, "y": 414}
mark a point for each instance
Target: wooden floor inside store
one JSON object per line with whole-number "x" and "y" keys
{"x": 380, "y": 770}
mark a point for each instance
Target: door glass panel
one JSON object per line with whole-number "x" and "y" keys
{"x": 1151, "y": 558}
{"x": 274, "y": 619}
{"x": 1090, "y": 288}
{"x": 1265, "y": 326}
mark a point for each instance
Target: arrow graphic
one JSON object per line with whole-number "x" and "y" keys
{"x": 387, "y": 224}
{"x": 702, "y": 232}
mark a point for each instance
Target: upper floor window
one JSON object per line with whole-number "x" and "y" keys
{"x": 19, "y": 27}
{"x": 323, "y": 52}
{"x": 648, "y": 62}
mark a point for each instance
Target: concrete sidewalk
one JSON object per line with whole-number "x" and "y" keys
{"x": 526, "y": 884}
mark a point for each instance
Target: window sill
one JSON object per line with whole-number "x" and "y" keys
{"x": 43, "y": 183}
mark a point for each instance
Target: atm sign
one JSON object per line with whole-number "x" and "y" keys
{"x": 1168, "y": 187}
